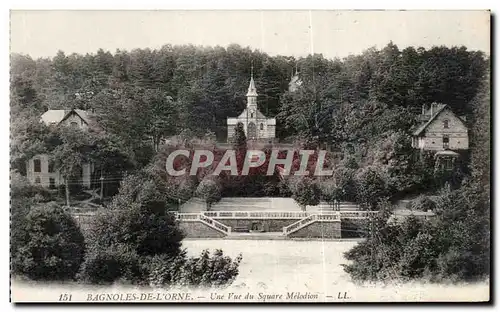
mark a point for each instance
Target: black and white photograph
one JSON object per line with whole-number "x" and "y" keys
{"x": 250, "y": 156}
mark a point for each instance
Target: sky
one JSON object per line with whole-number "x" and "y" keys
{"x": 293, "y": 33}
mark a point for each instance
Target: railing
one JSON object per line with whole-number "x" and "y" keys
{"x": 357, "y": 214}
{"x": 278, "y": 214}
{"x": 309, "y": 220}
{"x": 258, "y": 214}
{"x": 194, "y": 217}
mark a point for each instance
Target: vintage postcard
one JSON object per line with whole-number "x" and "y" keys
{"x": 250, "y": 156}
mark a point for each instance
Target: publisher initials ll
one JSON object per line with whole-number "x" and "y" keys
{"x": 343, "y": 295}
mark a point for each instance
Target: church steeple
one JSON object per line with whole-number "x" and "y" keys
{"x": 252, "y": 92}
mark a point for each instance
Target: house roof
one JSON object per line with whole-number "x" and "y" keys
{"x": 439, "y": 109}
{"x": 58, "y": 115}
{"x": 258, "y": 114}
{"x": 53, "y": 116}
{"x": 81, "y": 113}
{"x": 446, "y": 153}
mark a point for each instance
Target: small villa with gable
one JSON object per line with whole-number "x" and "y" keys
{"x": 442, "y": 132}
{"x": 40, "y": 169}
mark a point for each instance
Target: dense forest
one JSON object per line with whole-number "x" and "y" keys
{"x": 363, "y": 104}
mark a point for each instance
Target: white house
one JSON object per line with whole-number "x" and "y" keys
{"x": 40, "y": 169}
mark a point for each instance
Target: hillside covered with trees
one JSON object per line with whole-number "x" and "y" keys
{"x": 363, "y": 107}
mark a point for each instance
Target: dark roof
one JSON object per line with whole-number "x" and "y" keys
{"x": 81, "y": 113}
{"x": 439, "y": 109}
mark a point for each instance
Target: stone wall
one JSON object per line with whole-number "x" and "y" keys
{"x": 199, "y": 230}
{"x": 353, "y": 228}
{"x": 319, "y": 230}
{"x": 268, "y": 225}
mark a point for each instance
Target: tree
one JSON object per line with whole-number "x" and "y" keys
{"x": 139, "y": 218}
{"x": 53, "y": 246}
{"x": 240, "y": 145}
{"x": 370, "y": 187}
{"x": 163, "y": 115}
{"x": 209, "y": 190}
{"x": 306, "y": 192}
{"x": 69, "y": 156}
{"x": 481, "y": 137}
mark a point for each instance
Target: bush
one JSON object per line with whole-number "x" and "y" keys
{"x": 453, "y": 245}
{"x": 306, "y": 191}
{"x": 422, "y": 203}
{"x": 146, "y": 230}
{"x": 53, "y": 246}
{"x": 370, "y": 187}
{"x": 137, "y": 240}
{"x": 110, "y": 265}
{"x": 202, "y": 271}
{"x": 209, "y": 190}
{"x": 139, "y": 219}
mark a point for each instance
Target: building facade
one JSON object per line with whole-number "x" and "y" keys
{"x": 256, "y": 125}
{"x": 40, "y": 169}
{"x": 440, "y": 130}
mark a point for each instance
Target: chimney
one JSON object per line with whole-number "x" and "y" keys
{"x": 432, "y": 108}
{"x": 423, "y": 109}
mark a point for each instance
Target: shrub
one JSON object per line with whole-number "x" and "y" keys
{"x": 146, "y": 229}
{"x": 453, "y": 245}
{"x": 53, "y": 246}
{"x": 109, "y": 265}
{"x": 209, "y": 190}
{"x": 205, "y": 270}
{"x": 305, "y": 191}
{"x": 139, "y": 219}
{"x": 422, "y": 203}
{"x": 137, "y": 240}
{"x": 370, "y": 187}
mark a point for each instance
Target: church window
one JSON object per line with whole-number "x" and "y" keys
{"x": 261, "y": 126}
{"x": 38, "y": 165}
{"x": 251, "y": 115}
{"x": 446, "y": 123}
{"x": 74, "y": 124}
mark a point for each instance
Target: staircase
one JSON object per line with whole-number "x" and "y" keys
{"x": 328, "y": 207}
{"x": 294, "y": 227}
{"x": 198, "y": 217}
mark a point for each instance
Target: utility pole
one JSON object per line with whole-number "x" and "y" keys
{"x": 66, "y": 184}
{"x": 102, "y": 186}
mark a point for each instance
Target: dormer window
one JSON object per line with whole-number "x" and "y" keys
{"x": 446, "y": 123}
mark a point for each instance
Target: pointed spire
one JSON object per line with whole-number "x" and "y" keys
{"x": 296, "y": 68}
{"x": 252, "y": 91}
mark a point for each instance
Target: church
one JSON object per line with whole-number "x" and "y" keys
{"x": 256, "y": 125}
